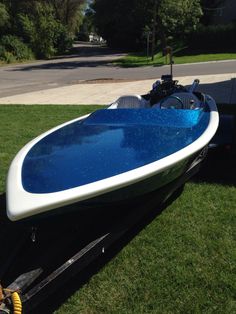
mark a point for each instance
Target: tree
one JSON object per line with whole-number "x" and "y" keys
{"x": 210, "y": 8}
{"x": 45, "y": 34}
{"x": 121, "y": 22}
{"x": 88, "y": 22}
{"x": 39, "y": 28}
{"x": 4, "y": 17}
{"x": 46, "y": 26}
{"x": 69, "y": 12}
{"x": 176, "y": 18}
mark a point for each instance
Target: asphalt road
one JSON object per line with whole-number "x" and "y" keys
{"x": 90, "y": 62}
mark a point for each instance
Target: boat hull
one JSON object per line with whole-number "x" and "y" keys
{"x": 111, "y": 156}
{"x": 153, "y": 183}
{"x": 160, "y": 187}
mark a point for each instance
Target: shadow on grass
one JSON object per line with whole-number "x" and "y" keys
{"x": 218, "y": 168}
{"x": 77, "y": 282}
{"x": 71, "y": 238}
{"x": 220, "y": 164}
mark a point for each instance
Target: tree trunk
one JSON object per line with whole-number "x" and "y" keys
{"x": 154, "y": 29}
{"x": 162, "y": 37}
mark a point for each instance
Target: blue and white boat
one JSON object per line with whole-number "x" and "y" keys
{"x": 137, "y": 145}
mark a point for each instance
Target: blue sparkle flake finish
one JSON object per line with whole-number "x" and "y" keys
{"x": 108, "y": 143}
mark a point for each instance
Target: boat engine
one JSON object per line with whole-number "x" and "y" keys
{"x": 164, "y": 88}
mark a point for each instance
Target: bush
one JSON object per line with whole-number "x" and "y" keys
{"x": 63, "y": 40}
{"x": 6, "y": 56}
{"x": 39, "y": 30}
{"x": 12, "y": 49}
{"x": 4, "y": 17}
{"x": 213, "y": 37}
{"x": 44, "y": 33}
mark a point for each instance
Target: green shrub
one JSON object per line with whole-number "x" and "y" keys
{"x": 213, "y": 37}
{"x": 8, "y": 57}
{"x": 12, "y": 49}
{"x": 38, "y": 31}
{"x": 4, "y": 16}
{"x": 63, "y": 40}
{"x": 2, "y": 50}
{"x": 44, "y": 33}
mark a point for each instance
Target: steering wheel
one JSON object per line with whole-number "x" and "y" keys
{"x": 166, "y": 103}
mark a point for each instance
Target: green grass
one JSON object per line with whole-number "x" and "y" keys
{"x": 182, "y": 262}
{"x": 138, "y": 59}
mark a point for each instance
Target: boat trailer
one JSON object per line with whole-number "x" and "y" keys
{"x": 38, "y": 259}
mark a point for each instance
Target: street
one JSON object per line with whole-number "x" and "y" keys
{"x": 89, "y": 62}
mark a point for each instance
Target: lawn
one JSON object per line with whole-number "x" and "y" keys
{"x": 182, "y": 262}
{"x": 140, "y": 59}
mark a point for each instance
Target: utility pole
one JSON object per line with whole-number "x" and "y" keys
{"x": 154, "y": 29}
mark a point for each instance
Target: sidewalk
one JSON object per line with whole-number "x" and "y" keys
{"x": 222, "y": 87}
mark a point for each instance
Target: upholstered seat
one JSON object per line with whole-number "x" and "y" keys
{"x": 129, "y": 102}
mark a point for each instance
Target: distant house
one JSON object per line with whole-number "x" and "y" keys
{"x": 225, "y": 13}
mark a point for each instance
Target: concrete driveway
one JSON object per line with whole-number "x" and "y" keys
{"x": 222, "y": 87}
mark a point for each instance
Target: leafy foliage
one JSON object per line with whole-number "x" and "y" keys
{"x": 47, "y": 27}
{"x": 41, "y": 29}
{"x": 13, "y": 49}
{"x": 69, "y": 13}
{"x": 122, "y": 22}
{"x": 176, "y": 18}
{"x": 214, "y": 38}
{"x": 88, "y": 25}
{"x": 4, "y": 17}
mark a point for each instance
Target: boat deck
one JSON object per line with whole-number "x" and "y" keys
{"x": 108, "y": 143}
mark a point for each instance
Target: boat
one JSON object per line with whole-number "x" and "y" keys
{"x": 137, "y": 145}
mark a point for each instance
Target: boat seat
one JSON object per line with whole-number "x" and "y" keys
{"x": 129, "y": 102}
{"x": 186, "y": 101}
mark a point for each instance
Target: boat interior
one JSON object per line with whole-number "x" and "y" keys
{"x": 165, "y": 94}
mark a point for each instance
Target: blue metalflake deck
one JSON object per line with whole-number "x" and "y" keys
{"x": 107, "y": 143}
